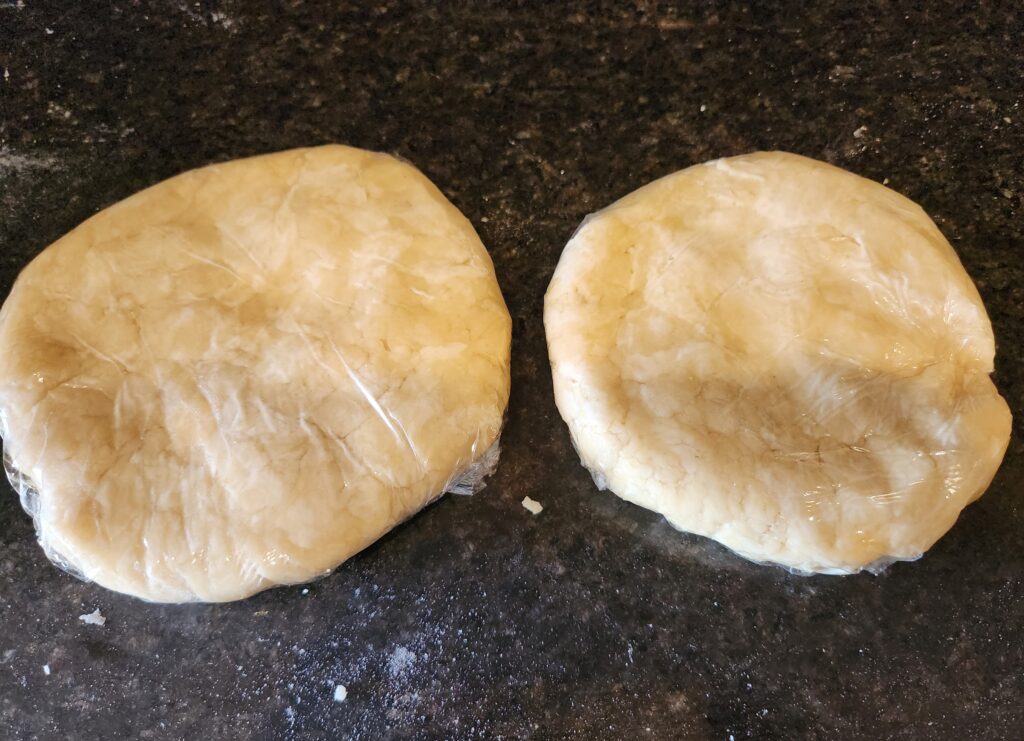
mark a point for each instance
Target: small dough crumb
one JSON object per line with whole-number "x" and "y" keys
{"x": 46, "y": 669}
{"x": 533, "y": 506}
{"x": 340, "y": 693}
{"x": 93, "y": 618}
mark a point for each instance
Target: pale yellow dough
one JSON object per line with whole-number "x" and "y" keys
{"x": 782, "y": 356}
{"x": 244, "y": 375}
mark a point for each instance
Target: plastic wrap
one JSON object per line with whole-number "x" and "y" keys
{"x": 246, "y": 374}
{"x": 779, "y": 355}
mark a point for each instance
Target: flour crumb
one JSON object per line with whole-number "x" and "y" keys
{"x": 46, "y": 669}
{"x": 703, "y": 108}
{"x": 859, "y": 133}
{"x": 533, "y": 506}
{"x": 401, "y": 660}
{"x": 340, "y": 693}
{"x": 222, "y": 19}
{"x": 305, "y": 591}
{"x": 93, "y": 618}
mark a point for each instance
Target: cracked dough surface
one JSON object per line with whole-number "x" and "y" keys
{"x": 247, "y": 373}
{"x": 782, "y": 356}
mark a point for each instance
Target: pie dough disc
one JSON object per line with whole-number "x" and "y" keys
{"x": 245, "y": 374}
{"x": 782, "y": 356}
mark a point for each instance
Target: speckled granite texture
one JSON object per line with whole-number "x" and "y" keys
{"x": 477, "y": 620}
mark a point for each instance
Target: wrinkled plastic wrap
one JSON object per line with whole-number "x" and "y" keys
{"x": 779, "y": 355}
{"x": 246, "y": 374}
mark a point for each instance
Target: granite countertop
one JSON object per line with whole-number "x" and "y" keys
{"x": 475, "y": 619}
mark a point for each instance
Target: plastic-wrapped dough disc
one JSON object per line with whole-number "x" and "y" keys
{"x": 245, "y": 374}
{"x": 782, "y": 356}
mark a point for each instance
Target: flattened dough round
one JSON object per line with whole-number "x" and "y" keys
{"x": 247, "y": 373}
{"x": 782, "y": 356}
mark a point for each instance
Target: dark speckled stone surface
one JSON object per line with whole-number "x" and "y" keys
{"x": 475, "y": 619}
